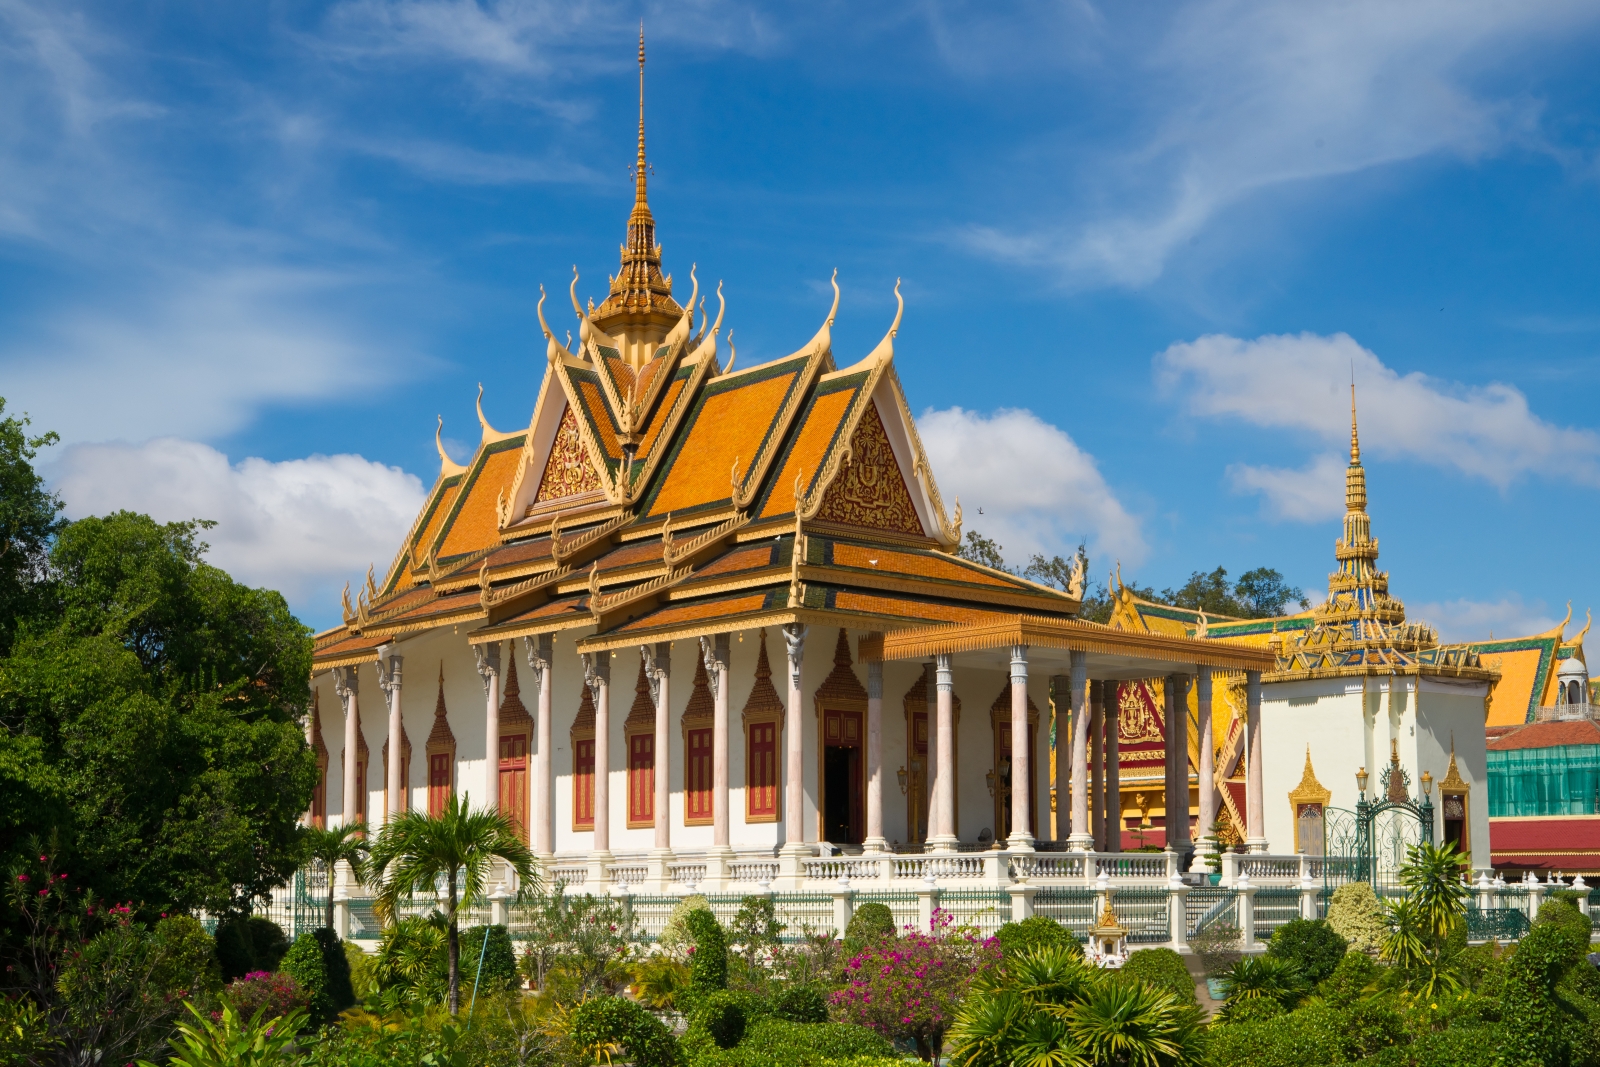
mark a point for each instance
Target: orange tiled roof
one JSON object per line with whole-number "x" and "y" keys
{"x": 729, "y": 423}
{"x": 747, "y": 558}
{"x": 820, "y": 428}
{"x": 473, "y": 522}
{"x": 695, "y": 610}
{"x": 1547, "y": 735}
{"x": 875, "y": 558}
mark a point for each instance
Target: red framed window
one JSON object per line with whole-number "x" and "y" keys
{"x": 583, "y": 784}
{"x": 439, "y": 783}
{"x": 514, "y": 781}
{"x": 641, "y": 780}
{"x": 697, "y": 777}
{"x": 761, "y": 771}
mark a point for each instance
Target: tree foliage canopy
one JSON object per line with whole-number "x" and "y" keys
{"x": 150, "y": 706}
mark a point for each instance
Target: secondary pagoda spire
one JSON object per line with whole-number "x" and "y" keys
{"x": 640, "y": 293}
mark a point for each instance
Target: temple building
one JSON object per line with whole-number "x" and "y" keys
{"x": 694, "y": 618}
{"x": 1356, "y": 687}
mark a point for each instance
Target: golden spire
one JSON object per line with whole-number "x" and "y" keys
{"x": 640, "y": 296}
{"x": 1355, "y": 478}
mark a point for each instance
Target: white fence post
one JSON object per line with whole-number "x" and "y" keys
{"x": 1308, "y": 892}
{"x": 1178, "y": 912}
{"x": 1583, "y": 889}
{"x": 843, "y": 907}
{"x": 1246, "y": 894}
{"x": 1536, "y": 890}
{"x": 497, "y": 906}
{"x": 1021, "y": 900}
{"x": 927, "y": 900}
{"x": 1230, "y": 869}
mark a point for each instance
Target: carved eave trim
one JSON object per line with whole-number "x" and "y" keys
{"x": 949, "y": 532}
{"x": 506, "y": 601}
{"x": 1487, "y": 675}
{"x": 695, "y": 547}
{"x": 919, "y": 642}
{"x": 457, "y": 572}
{"x": 578, "y": 620}
{"x": 348, "y": 659}
{"x": 531, "y": 461}
{"x": 607, "y": 609}
{"x": 829, "y": 574}
{"x": 573, "y": 549}
{"x": 765, "y": 576}
{"x": 583, "y": 509}
{"x": 835, "y": 531}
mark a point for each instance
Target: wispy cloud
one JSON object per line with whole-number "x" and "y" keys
{"x": 1309, "y": 494}
{"x": 1477, "y": 620}
{"x": 1302, "y": 382}
{"x": 1038, "y": 491}
{"x": 1235, "y": 99}
{"x": 303, "y": 527}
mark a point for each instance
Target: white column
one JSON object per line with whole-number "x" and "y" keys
{"x": 543, "y": 813}
{"x": 658, "y": 670}
{"x": 716, "y": 653}
{"x": 1109, "y": 716}
{"x": 1255, "y": 840}
{"x": 1021, "y": 839}
{"x": 930, "y": 772}
{"x": 1081, "y": 839}
{"x": 346, "y": 682}
{"x": 1061, "y": 686}
{"x": 1208, "y": 773}
{"x": 389, "y": 682}
{"x": 945, "y": 804}
{"x": 597, "y": 673}
{"x": 794, "y": 836}
{"x": 1178, "y": 742}
{"x": 875, "y": 841}
{"x": 1097, "y": 763}
{"x": 488, "y": 657}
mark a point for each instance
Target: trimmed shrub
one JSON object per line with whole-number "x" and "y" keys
{"x": 1312, "y": 1036}
{"x": 1354, "y": 972}
{"x": 870, "y": 922}
{"x": 1310, "y": 944}
{"x": 1565, "y": 914}
{"x": 722, "y": 1017}
{"x": 1253, "y": 1011}
{"x": 771, "y": 1041}
{"x": 317, "y": 963}
{"x": 708, "y": 967}
{"x": 1162, "y": 968}
{"x": 800, "y": 1004}
{"x": 675, "y": 938}
{"x": 363, "y": 971}
{"x": 499, "y": 959}
{"x": 1538, "y": 1028}
{"x": 1356, "y": 915}
{"x": 603, "y": 1020}
{"x": 249, "y": 943}
{"x": 1036, "y": 931}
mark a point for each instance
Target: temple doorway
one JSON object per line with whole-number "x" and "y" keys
{"x": 843, "y": 784}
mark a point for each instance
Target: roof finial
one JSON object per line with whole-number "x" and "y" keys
{"x": 1355, "y": 440}
{"x": 640, "y": 166}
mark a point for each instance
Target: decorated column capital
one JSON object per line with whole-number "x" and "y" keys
{"x": 715, "y": 652}
{"x": 389, "y": 675}
{"x": 488, "y": 657}
{"x": 794, "y": 640}
{"x": 943, "y": 673}
{"x": 1019, "y": 664}
{"x": 346, "y": 682}
{"x": 596, "y": 670}
{"x": 539, "y": 653}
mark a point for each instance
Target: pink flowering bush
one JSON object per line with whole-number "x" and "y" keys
{"x": 910, "y": 987}
{"x": 279, "y": 993}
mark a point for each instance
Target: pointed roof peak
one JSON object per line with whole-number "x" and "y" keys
{"x": 640, "y": 166}
{"x": 1355, "y": 439}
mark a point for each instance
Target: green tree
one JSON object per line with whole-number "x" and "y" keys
{"x": 329, "y": 847}
{"x": 155, "y": 707}
{"x": 984, "y": 550}
{"x": 415, "y": 850}
{"x": 1432, "y": 878}
{"x": 1310, "y": 944}
{"x": 29, "y": 521}
{"x": 1262, "y": 593}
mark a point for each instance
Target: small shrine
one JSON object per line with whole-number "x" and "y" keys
{"x": 1108, "y": 941}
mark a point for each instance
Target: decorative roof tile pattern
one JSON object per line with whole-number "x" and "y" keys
{"x": 879, "y": 559}
{"x": 473, "y": 522}
{"x": 1547, "y": 735}
{"x": 695, "y": 610}
{"x": 754, "y": 557}
{"x": 598, "y": 413}
{"x": 820, "y": 425}
{"x": 432, "y": 517}
{"x": 728, "y": 424}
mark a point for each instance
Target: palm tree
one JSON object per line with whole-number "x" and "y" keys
{"x": 1432, "y": 877}
{"x": 327, "y": 848}
{"x": 415, "y": 850}
{"x": 1264, "y": 978}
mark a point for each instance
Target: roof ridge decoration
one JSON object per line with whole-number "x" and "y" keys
{"x": 490, "y": 434}
{"x": 673, "y": 551}
{"x": 491, "y": 597}
{"x": 563, "y": 362}
{"x": 447, "y": 466}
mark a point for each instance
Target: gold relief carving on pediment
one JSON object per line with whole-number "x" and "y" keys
{"x": 870, "y": 491}
{"x": 568, "y": 471}
{"x": 1136, "y": 716}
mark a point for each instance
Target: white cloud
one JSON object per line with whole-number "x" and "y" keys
{"x": 1476, "y": 620}
{"x": 302, "y": 526}
{"x": 1314, "y": 492}
{"x": 1038, "y": 490}
{"x": 1302, "y": 382}
{"x": 199, "y": 361}
{"x": 1238, "y": 98}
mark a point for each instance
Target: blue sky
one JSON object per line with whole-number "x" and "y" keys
{"x": 248, "y": 253}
